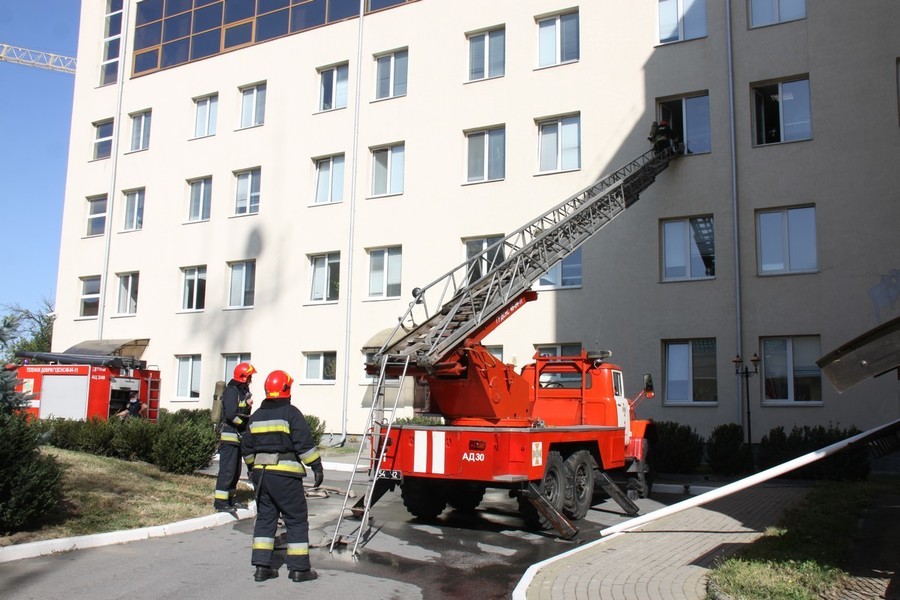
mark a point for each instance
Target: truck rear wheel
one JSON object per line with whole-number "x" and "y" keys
{"x": 553, "y": 489}
{"x": 579, "y": 490}
{"x": 423, "y": 498}
{"x": 465, "y": 497}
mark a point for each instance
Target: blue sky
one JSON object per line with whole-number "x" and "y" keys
{"x": 34, "y": 145}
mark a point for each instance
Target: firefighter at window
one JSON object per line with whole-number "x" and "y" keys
{"x": 277, "y": 448}
{"x": 663, "y": 139}
{"x": 236, "y": 404}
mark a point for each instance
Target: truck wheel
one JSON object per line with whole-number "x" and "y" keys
{"x": 465, "y": 497}
{"x": 579, "y": 491}
{"x": 552, "y": 487}
{"x": 423, "y": 499}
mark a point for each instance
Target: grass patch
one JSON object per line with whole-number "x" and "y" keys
{"x": 809, "y": 552}
{"x": 102, "y": 494}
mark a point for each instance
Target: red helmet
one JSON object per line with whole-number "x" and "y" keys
{"x": 278, "y": 385}
{"x": 243, "y": 371}
{"x": 664, "y": 123}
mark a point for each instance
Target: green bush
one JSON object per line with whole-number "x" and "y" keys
{"x": 96, "y": 437}
{"x": 679, "y": 449}
{"x": 420, "y": 420}
{"x": 184, "y": 447}
{"x": 316, "y": 426}
{"x": 133, "y": 439}
{"x": 199, "y": 416}
{"x": 851, "y": 464}
{"x": 726, "y": 452}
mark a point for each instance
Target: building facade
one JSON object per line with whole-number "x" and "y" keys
{"x": 270, "y": 179}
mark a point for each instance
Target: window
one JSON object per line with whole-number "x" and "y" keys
{"x": 112, "y": 39}
{"x": 558, "y": 349}
{"x": 333, "y": 87}
{"x": 96, "y": 219}
{"x": 246, "y": 199}
{"x": 384, "y": 272}
{"x": 330, "y": 179}
{"x": 689, "y": 120}
{"x": 321, "y": 366}
{"x": 487, "y": 54}
{"x": 128, "y": 293}
{"x": 205, "y": 117}
{"x": 387, "y": 170}
{"x": 488, "y": 260}
{"x": 134, "y": 210}
{"x": 487, "y": 155}
{"x": 787, "y": 240}
{"x": 140, "y": 131}
{"x": 790, "y": 372}
{"x": 391, "y": 75}
{"x": 103, "y": 136}
{"x": 767, "y": 12}
{"x": 188, "y": 376}
{"x": 565, "y": 273}
{"x": 90, "y": 296}
{"x": 681, "y": 20}
{"x": 571, "y": 380}
{"x": 194, "y": 295}
{"x": 560, "y": 144}
{"x": 558, "y": 39}
{"x": 691, "y": 371}
{"x": 253, "y": 105}
{"x": 326, "y": 277}
{"x": 782, "y": 112}
{"x": 689, "y": 249}
{"x": 496, "y": 351}
{"x": 243, "y": 284}
{"x": 232, "y": 361}
{"x": 201, "y": 199}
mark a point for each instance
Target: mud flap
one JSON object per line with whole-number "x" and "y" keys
{"x": 610, "y": 487}
{"x": 560, "y": 523}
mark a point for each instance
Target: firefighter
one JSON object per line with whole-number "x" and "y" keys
{"x": 664, "y": 139}
{"x": 277, "y": 445}
{"x": 236, "y": 405}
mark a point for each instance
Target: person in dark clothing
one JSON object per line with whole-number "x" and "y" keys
{"x": 134, "y": 408}
{"x": 277, "y": 448}
{"x": 236, "y": 405}
{"x": 664, "y": 139}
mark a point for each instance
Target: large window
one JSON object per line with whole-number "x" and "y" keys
{"x": 487, "y": 154}
{"x": 782, "y": 112}
{"x": 391, "y": 74}
{"x": 558, "y": 349}
{"x": 232, "y": 361}
{"x": 128, "y": 293}
{"x": 188, "y": 376}
{"x": 89, "y": 304}
{"x": 246, "y": 200}
{"x": 330, "y": 179}
{"x": 689, "y": 120}
{"x": 207, "y": 109}
{"x": 96, "y": 216}
{"x": 384, "y": 272}
{"x": 243, "y": 284}
{"x": 193, "y": 296}
{"x": 787, "y": 240}
{"x": 103, "y": 138}
{"x": 488, "y": 260}
{"x": 681, "y": 20}
{"x": 134, "y": 210}
{"x": 112, "y": 40}
{"x": 487, "y": 54}
{"x": 140, "y": 131}
{"x": 691, "y": 371}
{"x": 333, "y": 87}
{"x": 321, "y": 366}
{"x": 565, "y": 273}
{"x": 201, "y": 199}
{"x": 689, "y": 249}
{"x": 790, "y": 372}
{"x": 558, "y": 39}
{"x": 387, "y": 170}
{"x": 253, "y": 105}
{"x": 326, "y": 277}
{"x": 571, "y": 380}
{"x": 767, "y": 12}
{"x": 560, "y": 144}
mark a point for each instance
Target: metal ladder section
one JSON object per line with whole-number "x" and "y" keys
{"x": 378, "y": 428}
{"x": 446, "y": 311}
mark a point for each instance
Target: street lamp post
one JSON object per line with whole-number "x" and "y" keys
{"x": 744, "y": 371}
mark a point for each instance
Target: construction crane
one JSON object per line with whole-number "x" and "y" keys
{"x": 34, "y": 58}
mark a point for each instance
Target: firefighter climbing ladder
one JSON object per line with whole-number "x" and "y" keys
{"x": 371, "y": 449}
{"x": 445, "y": 312}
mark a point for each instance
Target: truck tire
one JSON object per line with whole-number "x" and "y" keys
{"x": 579, "y": 491}
{"x": 423, "y": 499}
{"x": 465, "y": 497}
{"x": 552, "y": 487}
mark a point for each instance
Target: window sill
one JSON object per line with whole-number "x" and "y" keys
{"x": 770, "y": 144}
{"x": 202, "y": 137}
{"x": 176, "y": 399}
{"x": 379, "y": 196}
{"x": 783, "y": 273}
{"x": 243, "y": 215}
{"x": 556, "y": 288}
{"x": 227, "y": 308}
{"x": 483, "y": 181}
{"x": 386, "y": 98}
{"x": 190, "y": 311}
{"x": 98, "y": 159}
{"x": 130, "y": 230}
{"x": 686, "y": 279}
{"x": 330, "y": 203}
{"x": 312, "y": 382}
{"x": 93, "y": 318}
{"x": 123, "y": 316}
{"x": 138, "y": 151}
{"x": 320, "y": 303}
{"x": 544, "y": 173}
{"x": 793, "y": 403}
{"x": 93, "y": 237}
{"x": 380, "y": 298}
{"x": 254, "y": 126}
{"x": 685, "y": 404}
{"x": 773, "y": 24}
{"x": 195, "y": 222}
{"x": 679, "y": 41}
{"x": 323, "y": 111}
{"x": 491, "y": 78}
{"x": 559, "y": 64}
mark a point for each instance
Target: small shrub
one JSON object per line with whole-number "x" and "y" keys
{"x": 851, "y": 464}
{"x": 420, "y": 420}
{"x": 679, "y": 449}
{"x": 184, "y": 447}
{"x": 726, "y": 452}
{"x": 96, "y": 437}
{"x": 62, "y": 433}
{"x": 316, "y": 426}
{"x": 133, "y": 439}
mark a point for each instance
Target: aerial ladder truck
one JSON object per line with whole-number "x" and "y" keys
{"x": 547, "y": 433}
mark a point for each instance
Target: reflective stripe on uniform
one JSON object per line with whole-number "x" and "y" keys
{"x": 222, "y": 495}
{"x": 237, "y": 420}
{"x": 297, "y": 549}
{"x": 274, "y": 426}
{"x": 310, "y": 455}
{"x": 284, "y": 466}
{"x": 263, "y": 543}
{"x": 230, "y": 436}
{"x": 248, "y": 460}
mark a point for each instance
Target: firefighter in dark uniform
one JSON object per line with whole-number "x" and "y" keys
{"x": 277, "y": 448}
{"x": 235, "y": 412}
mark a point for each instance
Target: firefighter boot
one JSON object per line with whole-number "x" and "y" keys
{"x": 301, "y": 576}
{"x": 264, "y": 573}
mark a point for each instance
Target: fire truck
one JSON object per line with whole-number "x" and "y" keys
{"x": 85, "y": 386}
{"x": 550, "y": 432}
